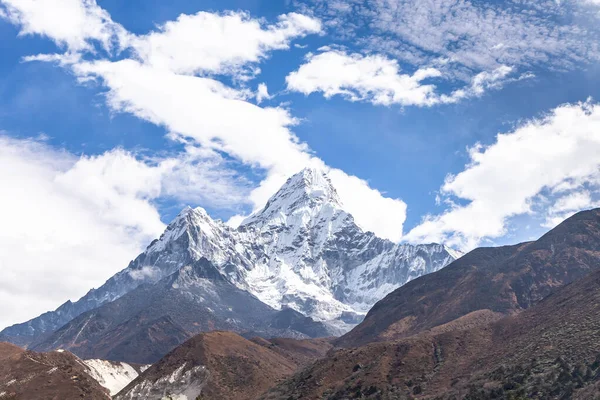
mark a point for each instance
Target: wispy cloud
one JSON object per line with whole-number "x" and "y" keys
{"x": 470, "y": 37}
{"x": 379, "y": 80}
{"x": 73, "y": 24}
{"x": 567, "y": 205}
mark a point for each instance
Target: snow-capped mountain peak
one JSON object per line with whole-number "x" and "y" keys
{"x": 193, "y": 223}
{"x": 314, "y": 184}
{"x": 304, "y": 196}
{"x": 301, "y": 251}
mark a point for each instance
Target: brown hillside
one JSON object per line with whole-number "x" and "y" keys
{"x": 504, "y": 280}
{"x": 550, "y": 351}
{"x": 224, "y": 365}
{"x": 45, "y": 376}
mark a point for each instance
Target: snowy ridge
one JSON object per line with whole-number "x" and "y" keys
{"x": 301, "y": 251}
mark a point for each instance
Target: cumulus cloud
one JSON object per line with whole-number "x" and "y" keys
{"x": 371, "y": 209}
{"x": 72, "y": 222}
{"x": 199, "y": 109}
{"x": 378, "y": 80}
{"x": 70, "y": 23}
{"x": 58, "y": 240}
{"x": 262, "y": 93}
{"x": 555, "y": 155}
{"x": 229, "y": 43}
{"x": 373, "y": 78}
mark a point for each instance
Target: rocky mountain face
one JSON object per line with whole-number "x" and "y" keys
{"x": 146, "y": 323}
{"x": 505, "y": 323}
{"x": 536, "y": 337}
{"x": 302, "y": 252}
{"x": 113, "y": 375}
{"x": 223, "y": 365}
{"x": 502, "y": 280}
{"x": 319, "y": 262}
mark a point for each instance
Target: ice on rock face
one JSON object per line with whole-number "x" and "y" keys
{"x": 302, "y": 199}
{"x": 319, "y": 261}
{"x": 302, "y": 251}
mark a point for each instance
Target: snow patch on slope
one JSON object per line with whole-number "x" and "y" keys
{"x": 112, "y": 375}
{"x": 181, "y": 384}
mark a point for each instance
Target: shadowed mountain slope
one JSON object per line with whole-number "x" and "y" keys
{"x": 151, "y": 320}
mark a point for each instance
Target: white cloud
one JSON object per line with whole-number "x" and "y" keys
{"x": 145, "y": 272}
{"x": 63, "y": 231}
{"x": 70, "y": 23}
{"x": 362, "y": 78}
{"x": 478, "y": 36}
{"x": 556, "y": 154}
{"x": 566, "y": 206}
{"x": 262, "y": 93}
{"x": 378, "y": 80}
{"x": 371, "y": 209}
{"x": 480, "y": 83}
{"x": 202, "y": 176}
{"x": 70, "y": 223}
{"x": 219, "y": 43}
{"x": 160, "y": 85}
{"x": 200, "y": 109}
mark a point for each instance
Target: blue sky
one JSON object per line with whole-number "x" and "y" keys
{"x": 114, "y": 115}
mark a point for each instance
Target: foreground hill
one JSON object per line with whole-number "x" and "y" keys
{"x": 57, "y": 375}
{"x": 502, "y": 280}
{"x": 549, "y": 351}
{"x": 223, "y": 365}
